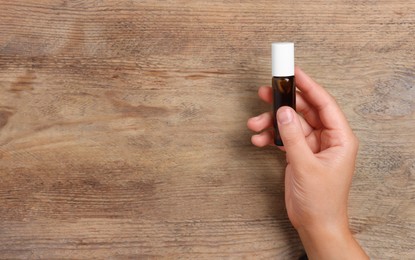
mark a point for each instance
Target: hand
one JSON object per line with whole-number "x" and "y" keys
{"x": 321, "y": 151}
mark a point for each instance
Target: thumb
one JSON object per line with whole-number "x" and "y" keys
{"x": 292, "y": 136}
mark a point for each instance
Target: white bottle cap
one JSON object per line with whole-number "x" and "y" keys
{"x": 282, "y": 59}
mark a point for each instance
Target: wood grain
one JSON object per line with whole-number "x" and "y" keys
{"x": 122, "y": 125}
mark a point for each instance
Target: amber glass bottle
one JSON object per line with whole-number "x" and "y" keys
{"x": 283, "y": 81}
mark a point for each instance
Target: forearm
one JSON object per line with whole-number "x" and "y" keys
{"x": 331, "y": 243}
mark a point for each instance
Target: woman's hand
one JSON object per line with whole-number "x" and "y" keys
{"x": 321, "y": 151}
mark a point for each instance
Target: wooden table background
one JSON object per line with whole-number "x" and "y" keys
{"x": 123, "y": 125}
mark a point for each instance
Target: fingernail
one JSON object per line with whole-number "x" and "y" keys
{"x": 285, "y": 116}
{"x": 257, "y": 118}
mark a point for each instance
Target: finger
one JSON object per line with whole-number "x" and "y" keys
{"x": 313, "y": 141}
{"x": 313, "y": 121}
{"x": 308, "y": 112}
{"x": 330, "y": 113}
{"x": 312, "y": 136}
{"x": 264, "y": 121}
{"x": 292, "y": 135}
{"x": 263, "y": 139}
{"x": 260, "y": 122}
{"x": 307, "y": 128}
{"x": 265, "y": 93}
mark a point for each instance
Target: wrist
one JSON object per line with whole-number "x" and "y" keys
{"x": 325, "y": 231}
{"x": 330, "y": 242}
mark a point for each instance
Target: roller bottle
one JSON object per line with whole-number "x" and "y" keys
{"x": 283, "y": 85}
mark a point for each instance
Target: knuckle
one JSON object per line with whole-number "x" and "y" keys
{"x": 291, "y": 140}
{"x": 354, "y": 142}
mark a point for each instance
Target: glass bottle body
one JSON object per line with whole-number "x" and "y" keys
{"x": 283, "y": 89}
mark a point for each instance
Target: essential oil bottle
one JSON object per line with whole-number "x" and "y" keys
{"x": 283, "y": 85}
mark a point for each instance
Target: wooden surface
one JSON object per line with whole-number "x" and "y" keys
{"x": 123, "y": 125}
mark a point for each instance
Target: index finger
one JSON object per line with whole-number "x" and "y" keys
{"x": 329, "y": 111}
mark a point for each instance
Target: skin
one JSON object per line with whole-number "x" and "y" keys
{"x": 321, "y": 151}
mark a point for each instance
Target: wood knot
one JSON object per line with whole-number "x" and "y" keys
{"x": 24, "y": 83}
{"x": 5, "y": 114}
